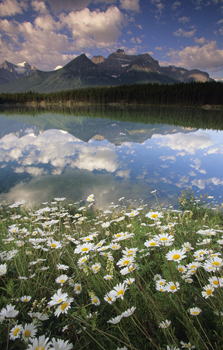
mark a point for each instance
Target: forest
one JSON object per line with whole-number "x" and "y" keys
{"x": 182, "y": 94}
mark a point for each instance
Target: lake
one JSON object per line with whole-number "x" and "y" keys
{"x": 112, "y": 152}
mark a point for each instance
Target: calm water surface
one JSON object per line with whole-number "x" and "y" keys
{"x": 46, "y": 154}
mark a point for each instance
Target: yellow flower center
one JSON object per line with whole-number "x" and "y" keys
{"x": 60, "y": 300}
{"x": 53, "y": 245}
{"x": 95, "y": 300}
{"x": 84, "y": 249}
{"x": 109, "y": 299}
{"x": 154, "y": 216}
{"x": 40, "y": 348}
{"x": 87, "y": 239}
{"x": 62, "y": 281}
{"x": 26, "y": 299}
{"x": 63, "y": 306}
{"x": 27, "y": 333}
{"x": 209, "y": 291}
{"x": 181, "y": 269}
{"x": 195, "y": 312}
{"x": 78, "y": 287}
{"x": 120, "y": 292}
{"x": 172, "y": 287}
{"x": 16, "y": 331}
{"x": 163, "y": 239}
{"x": 176, "y": 256}
{"x": 216, "y": 263}
{"x": 216, "y": 282}
{"x": 153, "y": 243}
{"x": 126, "y": 262}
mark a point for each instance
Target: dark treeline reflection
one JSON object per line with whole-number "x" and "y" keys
{"x": 192, "y": 117}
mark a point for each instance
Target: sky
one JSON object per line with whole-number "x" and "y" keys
{"x": 48, "y": 34}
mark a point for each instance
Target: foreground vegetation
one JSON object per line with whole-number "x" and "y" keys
{"x": 75, "y": 277}
{"x": 189, "y": 94}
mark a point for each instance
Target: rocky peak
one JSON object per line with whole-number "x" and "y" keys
{"x": 120, "y": 52}
{"x": 97, "y": 59}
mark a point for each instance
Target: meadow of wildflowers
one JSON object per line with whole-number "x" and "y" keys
{"x": 76, "y": 277}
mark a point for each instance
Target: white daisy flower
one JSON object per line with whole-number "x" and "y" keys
{"x": 58, "y": 298}
{"x": 63, "y": 307}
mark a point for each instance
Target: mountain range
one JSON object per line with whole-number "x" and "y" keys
{"x": 117, "y": 69}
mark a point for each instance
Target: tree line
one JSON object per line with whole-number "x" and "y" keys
{"x": 188, "y": 94}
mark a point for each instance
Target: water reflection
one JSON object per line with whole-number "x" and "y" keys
{"x": 55, "y": 156}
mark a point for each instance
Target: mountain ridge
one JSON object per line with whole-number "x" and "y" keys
{"x": 117, "y": 69}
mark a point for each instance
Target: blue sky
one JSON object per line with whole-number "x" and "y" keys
{"x": 47, "y": 34}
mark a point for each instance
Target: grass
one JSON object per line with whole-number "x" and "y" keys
{"x": 74, "y": 276}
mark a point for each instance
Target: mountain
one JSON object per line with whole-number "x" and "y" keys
{"x": 117, "y": 69}
{"x": 10, "y": 71}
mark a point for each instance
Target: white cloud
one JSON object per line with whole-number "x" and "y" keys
{"x": 189, "y": 143}
{"x": 183, "y": 19}
{"x": 39, "y": 6}
{"x": 181, "y": 32}
{"x": 159, "y": 5}
{"x": 159, "y": 48}
{"x": 200, "y": 40}
{"x": 207, "y": 56}
{"x": 175, "y": 5}
{"x": 12, "y": 7}
{"x": 96, "y": 28}
{"x": 132, "y": 5}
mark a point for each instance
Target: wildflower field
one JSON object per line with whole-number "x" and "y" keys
{"x": 76, "y": 277}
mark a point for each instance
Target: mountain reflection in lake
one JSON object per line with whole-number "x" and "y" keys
{"x": 47, "y": 154}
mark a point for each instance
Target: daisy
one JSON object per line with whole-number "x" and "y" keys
{"x": 176, "y": 255}
{"x": 63, "y": 307}
{"x": 59, "y": 344}
{"x": 77, "y": 288}
{"x": 84, "y": 248}
{"x": 62, "y": 267}
{"x": 213, "y": 264}
{"x": 95, "y": 300}
{"x": 164, "y": 239}
{"x": 194, "y": 311}
{"x": 25, "y": 298}
{"x": 216, "y": 281}
{"x": 54, "y": 244}
{"x": 82, "y": 260}
{"x": 115, "y": 246}
{"x": 187, "y": 345}
{"x": 115, "y": 320}
{"x": 96, "y": 267}
{"x": 126, "y": 261}
{"x": 128, "y": 269}
{"x": 110, "y": 297}
{"x": 61, "y": 279}
{"x": 15, "y": 332}
{"x": 154, "y": 215}
{"x": 58, "y": 298}
{"x": 9, "y": 311}
{"x": 120, "y": 290}
{"x": 108, "y": 277}
{"x": 208, "y": 291}
{"x": 28, "y": 331}
{"x": 172, "y": 287}
{"x": 39, "y": 343}
{"x": 129, "y": 252}
{"x": 187, "y": 246}
{"x": 165, "y": 324}
{"x": 181, "y": 268}
{"x": 128, "y": 312}
{"x": 151, "y": 243}
{"x": 90, "y": 198}
{"x": 3, "y": 269}
{"x": 129, "y": 280}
